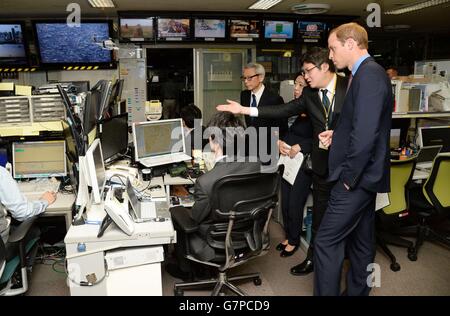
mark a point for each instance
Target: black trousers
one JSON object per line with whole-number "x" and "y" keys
{"x": 321, "y": 195}
{"x": 347, "y": 227}
{"x": 293, "y": 199}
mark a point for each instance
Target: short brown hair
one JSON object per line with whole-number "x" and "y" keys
{"x": 354, "y": 31}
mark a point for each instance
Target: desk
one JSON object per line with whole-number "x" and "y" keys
{"x": 61, "y": 207}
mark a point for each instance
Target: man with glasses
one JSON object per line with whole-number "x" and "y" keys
{"x": 258, "y": 96}
{"x": 322, "y": 101}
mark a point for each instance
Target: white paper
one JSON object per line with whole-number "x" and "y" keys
{"x": 291, "y": 166}
{"x": 381, "y": 201}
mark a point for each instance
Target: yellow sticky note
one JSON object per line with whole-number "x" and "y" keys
{"x": 23, "y": 90}
{"x": 6, "y": 86}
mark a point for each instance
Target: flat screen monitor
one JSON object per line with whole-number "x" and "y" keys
{"x": 173, "y": 28}
{"x": 159, "y": 142}
{"x": 71, "y": 145}
{"x": 60, "y": 44}
{"x": 278, "y": 29}
{"x": 209, "y": 28}
{"x": 394, "y": 141}
{"x": 245, "y": 28}
{"x": 134, "y": 29}
{"x": 41, "y": 159}
{"x": 114, "y": 136}
{"x": 96, "y": 177}
{"x": 12, "y": 45}
{"x": 433, "y": 136}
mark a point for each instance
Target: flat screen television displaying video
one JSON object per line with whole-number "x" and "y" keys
{"x": 61, "y": 44}
{"x": 136, "y": 29}
{"x": 12, "y": 46}
{"x": 278, "y": 29}
{"x": 209, "y": 28}
{"x": 178, "y": 28}
{"x": 244, "y": 28}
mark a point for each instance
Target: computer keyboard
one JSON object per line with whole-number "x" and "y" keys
{"x": 39, "y": 186}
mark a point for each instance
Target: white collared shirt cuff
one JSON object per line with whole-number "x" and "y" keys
{"x": 254, "y": 112}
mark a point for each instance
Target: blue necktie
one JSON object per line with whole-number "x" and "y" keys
{"x": 253, "y": 105}
{"x": 326, "y": 103}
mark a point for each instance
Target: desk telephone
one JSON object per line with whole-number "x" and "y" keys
{"x": 117, "y": 213}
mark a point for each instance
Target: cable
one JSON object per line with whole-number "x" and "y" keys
{"x": 87, "y": 283}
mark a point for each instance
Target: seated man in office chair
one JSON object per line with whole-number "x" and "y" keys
{"x": 12, "y": 200}
{"x": 220, "y": 138}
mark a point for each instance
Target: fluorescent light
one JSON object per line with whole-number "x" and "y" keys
{"x": 101, "y": 3}
{"x": 264, "y": 4}
{"x": 416, "y": 6}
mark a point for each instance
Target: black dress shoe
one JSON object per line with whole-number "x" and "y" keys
{"x": 280, "y": 247}
{"x": 285, "y": 253}
{"x": 303, "y": 268}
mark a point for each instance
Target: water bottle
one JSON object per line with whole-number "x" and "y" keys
{"x": 308, "y": 224}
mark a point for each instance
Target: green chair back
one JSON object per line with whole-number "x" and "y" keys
{"x": 437, "y": 187}
{"x": 401, "y": 173}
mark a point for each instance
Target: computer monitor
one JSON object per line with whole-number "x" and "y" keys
{"x": 71, "y": 146}
{"x": 95, "y": 168}
{"x": 395, "y": 138}
{"x": 115, "y": 97}
{"x": 114, "y": 136}
{"x": 435, "y": 135}
{"x": 159, "y": 142}
{"x": 42, "y": 159}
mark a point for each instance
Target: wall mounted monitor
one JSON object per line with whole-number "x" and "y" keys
{"x": 136, "y": 29}
{"x": 209, "y": 28}
{"x": 246, "y": 30}
{"x": 12, "y": 45}
{"x": 278, "y": 30}
{"x": 173, "y": 29}
{"x": 62, "y": 45}
{"x": 311, "y": 32}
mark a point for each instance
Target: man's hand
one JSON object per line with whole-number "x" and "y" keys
{"x": 233, "y": 107}
{"x": 284, "y": 148}
{"x": 50, "y": 197}
{"x": 325, "y": 138}
{"x": 294, "y": 150}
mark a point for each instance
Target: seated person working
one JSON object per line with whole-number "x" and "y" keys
{"x": 193, "y": 130}
{"x": 18, "y": 206}
{"x": 220, "y": 138}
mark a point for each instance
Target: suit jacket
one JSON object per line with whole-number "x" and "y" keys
{"x": 310, "y": 103}
{"x": 359, "y": 154}
{"x": 267, "y": 98}
{"x": 300, "y": 133}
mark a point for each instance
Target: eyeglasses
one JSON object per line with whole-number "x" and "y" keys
{"x": 307, "y": 71}
{"x": 248, "y": 78}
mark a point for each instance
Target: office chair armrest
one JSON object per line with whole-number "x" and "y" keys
{"x": 20, "y": 232}
{"x": 182, "y": 220}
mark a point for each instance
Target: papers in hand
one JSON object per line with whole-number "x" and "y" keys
{"x": 291, "y": 166}
{"x": 381, "y": 201}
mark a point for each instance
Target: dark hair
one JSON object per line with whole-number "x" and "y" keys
{"x": 318, "y": 56}
{"x": 225, "y": 128}
{"x": 393, "y": 68}
{"x": 189, "y": 113}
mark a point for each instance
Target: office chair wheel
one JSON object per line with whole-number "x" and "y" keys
{"x": 257, "y": 281}
{"x": 395, "y": 267}
{"x": 412, "y": 254}
{"x": 178, "y": 292}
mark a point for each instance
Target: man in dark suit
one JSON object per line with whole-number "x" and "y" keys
{"x": 220, "y": 131}
{"x": 324, "y": 114}
{"x": 258, "y": 96}
{"x": 359, "y": 166}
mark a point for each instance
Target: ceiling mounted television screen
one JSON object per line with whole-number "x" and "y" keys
{"x": 209, "y": 28}
{"x": 12, "y": 45}
{"x": 244, "y": 29}
{"x": 173, "y": 28}
{"x": 60, "y": 44}
{"x": 278, "y": 29}
{"x": 136, "y": 29}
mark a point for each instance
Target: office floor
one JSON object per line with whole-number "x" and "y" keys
{"x": 427, "y": 276}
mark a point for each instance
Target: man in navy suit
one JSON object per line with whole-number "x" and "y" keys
{"x": 359, "y": 165}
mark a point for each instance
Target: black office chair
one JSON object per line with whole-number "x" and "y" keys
{"x": 18, "y": 254}
{"x": 432, "y": 205}
{"x": 238, "y": 229}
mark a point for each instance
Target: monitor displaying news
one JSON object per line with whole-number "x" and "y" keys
{"x": 136, "y": 28}
{"x": 278, "y": 29}
{"x": 12, "y": 46}
{"x": 173, "y": 28}
{"x": 209, "y": 28}
{"x": 244, "y": 28}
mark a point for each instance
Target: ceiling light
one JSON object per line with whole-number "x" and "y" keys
{"x": 416, "y": 6}
{"x": 264, "y": 4}
{"x": 311, "y": 8}
{"x": 101, "y": 3}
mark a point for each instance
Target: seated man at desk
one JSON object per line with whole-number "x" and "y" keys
{"x": 220, "y": 138}
{"x": 12, "y": 200}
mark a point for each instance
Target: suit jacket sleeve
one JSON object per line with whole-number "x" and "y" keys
{"x": 369, "y": 96}
{"x": 201, "y": 207}
{"x": 286, "y": 110}
{"x": 282, "y": 122}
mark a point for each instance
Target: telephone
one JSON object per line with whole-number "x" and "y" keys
{"x": 117, "y": 213}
